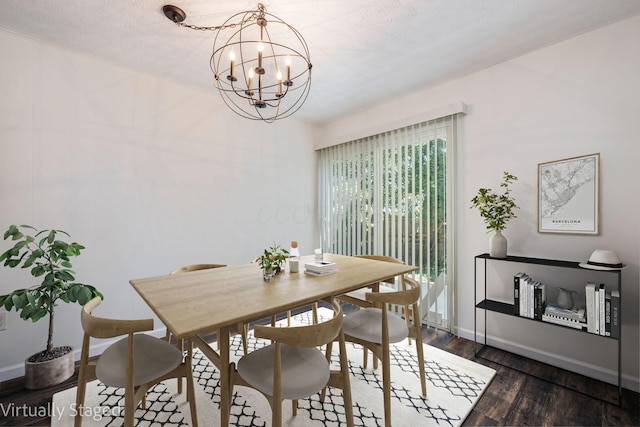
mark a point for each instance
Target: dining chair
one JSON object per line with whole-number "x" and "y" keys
{"x": 135, "y": 363}
{"x": 376, "y": 327}
{"x": 294, "y": 367}
{"x": 358, "y": 297}
{"x": 241, "y": 328}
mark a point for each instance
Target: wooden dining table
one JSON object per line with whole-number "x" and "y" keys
{"x": 193, "y": 303}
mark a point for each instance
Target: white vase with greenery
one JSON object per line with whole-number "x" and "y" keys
{"x": 496, "y": 210}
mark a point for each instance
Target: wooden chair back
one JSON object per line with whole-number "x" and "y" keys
{"x": 99, "y": 327}
{"x": 313, "y": 335}
{"x": 408, "y": 296}
{"x": 196, "y": 267}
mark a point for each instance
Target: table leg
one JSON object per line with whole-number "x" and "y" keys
{"x": 225, "y": 377}
{"x": 191, "y": 393}
{"x": 221, "y": 361}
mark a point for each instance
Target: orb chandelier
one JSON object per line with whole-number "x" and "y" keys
{"x": 261, "y": 64}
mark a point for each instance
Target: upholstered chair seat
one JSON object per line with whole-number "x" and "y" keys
{"x": 305, "y": 370}
{"x": 152, "y": 358}
{"x": 365, "y": 324}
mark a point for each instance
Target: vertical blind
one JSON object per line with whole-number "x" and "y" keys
{"x": 390, "y": 194}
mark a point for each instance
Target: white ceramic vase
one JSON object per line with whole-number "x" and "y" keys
{"x": 498, "y": 245}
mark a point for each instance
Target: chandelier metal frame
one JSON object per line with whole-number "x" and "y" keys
{"x": 262, "y": 69}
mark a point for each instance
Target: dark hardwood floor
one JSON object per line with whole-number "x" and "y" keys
{"x": 524, "y": 394}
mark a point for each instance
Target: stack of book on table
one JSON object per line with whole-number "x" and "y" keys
{"x": 320, "y": 268}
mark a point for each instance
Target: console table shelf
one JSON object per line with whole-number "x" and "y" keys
{"x": 539, "y": 261}
{"x": 497, "y": 306}
{"x": 503, "y": 308}
{"x": 506, "y": 308}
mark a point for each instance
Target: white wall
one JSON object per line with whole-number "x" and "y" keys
{"x": 149, "y": 175}
{"x": 574, "y": 98}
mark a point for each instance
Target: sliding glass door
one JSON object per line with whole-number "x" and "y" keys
{"x": 390, "y": 194}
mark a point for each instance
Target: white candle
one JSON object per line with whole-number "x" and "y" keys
{"x": 279, "y": 77}
{"x": 250, "y": 83}
{"x": 232, "y": 58}
{"x": 287, "y": 62}
{"x": 260, "y": 49}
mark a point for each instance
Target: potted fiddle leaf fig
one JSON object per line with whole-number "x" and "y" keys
{"x": 48, "y": 258}
{"x": 496, "y": 210}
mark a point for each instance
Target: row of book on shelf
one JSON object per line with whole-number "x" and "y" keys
{"x": 599, "y": 315}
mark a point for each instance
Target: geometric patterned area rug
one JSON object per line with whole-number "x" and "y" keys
{"x": 454, "y": 385}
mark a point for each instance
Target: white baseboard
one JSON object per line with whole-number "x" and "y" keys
{"x": 573, "y": 365}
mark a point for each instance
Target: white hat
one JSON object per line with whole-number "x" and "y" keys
{"x": 603, "y": 260}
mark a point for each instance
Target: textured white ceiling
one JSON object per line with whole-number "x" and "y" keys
{"x": 363, "y": 51}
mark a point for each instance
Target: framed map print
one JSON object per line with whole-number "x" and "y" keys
{"x": 569, "y": 195}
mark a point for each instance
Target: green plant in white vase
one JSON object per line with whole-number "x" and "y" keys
{"x": 496, "y": 210}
